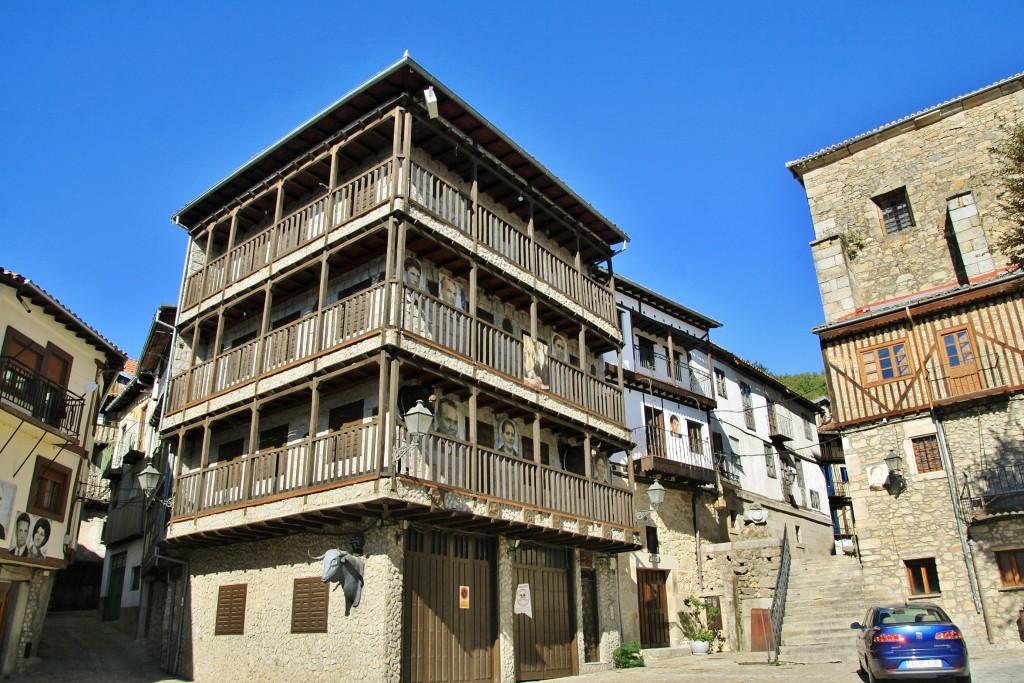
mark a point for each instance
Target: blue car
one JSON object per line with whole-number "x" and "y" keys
{"x": 911, "y": 641}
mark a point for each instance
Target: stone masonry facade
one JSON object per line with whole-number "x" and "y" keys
{"x": 921, "y": 523}
{"x": 951, "y": 182}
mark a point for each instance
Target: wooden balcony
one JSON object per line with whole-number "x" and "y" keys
{"x": 673, "y": 377}
{"x": 356, "y": 455}
{"x": 675, "y": 455}
{"x": 366, "y": 312}
{"x": 780, "y": 427}
{"x": 978, "y": 375}
{"x": 30, "y": 392}
{"x": 124, "y": 522}
{"x": 373, "y": 188}
{"x": 995, "y": 489}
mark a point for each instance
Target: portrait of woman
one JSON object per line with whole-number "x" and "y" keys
{"x": 40, "y": 537}
{"x": 535, "y": 363}
{"x": 507, "y": 438}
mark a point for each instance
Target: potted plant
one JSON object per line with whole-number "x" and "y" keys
{"x": 696, "y": 624}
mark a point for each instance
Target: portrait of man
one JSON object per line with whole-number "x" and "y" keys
{"x": 675, "y": 427}
{"x": 452, "y": 292}
{"x": 602, "y": 473}
{"x": 559, "y": 348}
{"x": 535, "y": 363}
{"x": 19, "y": 544}
{"x": 448, "y": 418}
{"x": 507, "y": 437}
{"x": 40, "y": 537}
{"x": 412, "y": 273}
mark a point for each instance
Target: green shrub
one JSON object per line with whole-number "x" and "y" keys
{"x": 627, "y": 656}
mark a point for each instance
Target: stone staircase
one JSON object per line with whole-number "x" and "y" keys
{"x": 826, "y": 594}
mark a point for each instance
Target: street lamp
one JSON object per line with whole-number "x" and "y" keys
{"x": 417, "y": 422}
{"x": 148, "y": 479}
{"x": 656, "y": 494}
{"x": 896, "y": 482}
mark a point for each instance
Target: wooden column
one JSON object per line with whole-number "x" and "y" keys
{"x": 204, "y": 453}
{"x": 588, "y": 470}
{"x": 314, "y": 423}
{"x": 387, "y": 402}
{"x": 539, "y": 479}
{"x": 261, "y": 345}
{"x": 533, "y": 316}
{"x": 474, "y": 323}
{"x": 474, "y": 437}
{"x": 474, "y": 198}
{"x": 318, "y": 326}
{"x": 278, "y": 215}
{"x": 672, "y": 358}
{"x": 531, "y": 231}
{"x": 392, "y": 414}
{"x": 254, "y": 436}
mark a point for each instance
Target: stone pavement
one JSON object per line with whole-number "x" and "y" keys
{"x": 78, "y": 648}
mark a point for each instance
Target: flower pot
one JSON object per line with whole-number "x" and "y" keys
{"x": 699, "y": 647}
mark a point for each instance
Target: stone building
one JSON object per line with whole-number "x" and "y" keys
{"x": 394, "y": 256}
{"x": 737, "y": 454}
{"x": 54, "y": 369}
{"x": 923, "y": 345}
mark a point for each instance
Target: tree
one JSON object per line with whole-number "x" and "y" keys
{"x": 810, "y": 385}
{"x": 1011, "y": 153}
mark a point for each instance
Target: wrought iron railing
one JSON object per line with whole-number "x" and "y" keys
{"x": 728, "y": 466}
{"x": 993, "y": 489}
{"x": 978, "y": 374}
{"x": 678, "y": 447}
{"x": 677, "y": 370}
{"x": 778, "y": 609}
{"x": 44, "y": 400}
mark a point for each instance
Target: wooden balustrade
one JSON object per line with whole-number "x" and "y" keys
{"x": 235, "y": 366}
{"x": 200, "y": 381}
{"x": 301, "y": 227}
{"x": 215, "y": 277}
{"x": 193, "y": 289}
{"x": 350, "y": 454}
{"x": 431, "y": 318}
{"x": 286, "y": 344}
{"x": 249, "y": 256}
{"x": 557, "y": 273}
{"x": 499, "y": 350}
{"x": 440, "y": 198}
{"x": 503, "y": 238}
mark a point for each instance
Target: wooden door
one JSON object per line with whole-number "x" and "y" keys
{"x": 115, "y": 586}
{"x": 653, "y": 597}
{"x": 760, "y": 630}
{"x": 546, "y": 643}
{"x": 961, "y": 363}
{"x": 448, "y": 608}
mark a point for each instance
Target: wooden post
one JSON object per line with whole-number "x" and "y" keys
{"x": 314, "y": 423}
{"x": 588, "y": 470}
{"x": 318, "y": 326}
{"x": 278, "y": 215}
{"x": 672, "y": 359}
{"x": 539, "y": 483}
{"x": 474, "y": 322}
{"x": 531, "y": 231}
{"x": 472, "y": 471}
{"x": 254, "y": 434}
{"x": 474, "y": 198}
{"x": 392, "y": 414}
{"x": 383, "y": 411}
{"x": 261, "y": 345}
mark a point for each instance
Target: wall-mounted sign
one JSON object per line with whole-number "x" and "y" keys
{"x": 463, "y": 597}
{"x": 524, "y": 604}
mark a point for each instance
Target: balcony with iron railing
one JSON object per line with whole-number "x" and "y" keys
{"x": 30, "y": 392}
{"x": 836, "y": 480}
{"x": 366, "y": 312}
{"x": 667, "y": 452}
{"x": 993, "y": 489}
{"x": 676, "y": 371}
{"x": 353, "y": 455}
{"x": 368, "y": 190}
{"x": 976, "y": 375}
{"x": 729, "y": 467}
{"x": 125, "y": 521}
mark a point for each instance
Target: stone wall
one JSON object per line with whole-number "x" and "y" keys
{"x": 921, "y": 523}
{"x": 364, "y": 645}
{"x": 857, "y": 262}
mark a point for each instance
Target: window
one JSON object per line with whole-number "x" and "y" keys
{"x": 309, "y": 606}
{"x": 926, "y": 453}
{"x": 230, "y": 610}
{"x": 958, "y": 348}
{"x": 808, "y": 434}
{"x": 769, "y": 461}
{"x": 273, "y": 438}
{"x": 653, "y": 545}
{"x": 717, "y": 442}
{"x": 645, "y": 351}
{"x": 1011, "y": 567}
{"x": 922, "y": 576}
{"x": 885, "y": 363}
{"x": 696, "y": 437}
{"x": 720, "y": 385}
{"x": 815, "y": 500}
{"x": 347, "y": 415}
{"x": 748, "y": 405}
{"x": 229, "y": 450}
{"x": 49, "y": 492}
{"x": 136, "y": 577}
{"x": 895, "y": 209}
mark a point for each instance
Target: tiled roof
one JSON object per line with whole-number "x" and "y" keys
{"x": 54, "y": 307}
{"x": 792, "y": 165}
{"x": 131, "y": 366}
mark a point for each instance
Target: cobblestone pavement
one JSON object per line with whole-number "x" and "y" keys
{"x": 78, "y": 648}
{"x": 745, "y": 667}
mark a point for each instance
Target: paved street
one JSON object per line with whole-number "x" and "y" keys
{"x": 78, "y": 648}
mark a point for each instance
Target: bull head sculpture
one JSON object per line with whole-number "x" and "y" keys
{"x": 345, "y": 570}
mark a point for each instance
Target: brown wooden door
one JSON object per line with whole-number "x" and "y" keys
{"x": 653, "y": 597}
{"x": 545, "y": 644}
{"x": 449, "y": 608}
{"x": 961, "y": 363}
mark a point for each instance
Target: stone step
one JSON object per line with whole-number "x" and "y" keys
{"x": 815, "y": 657}
{"x": 656, "y": 653}
{"x": 831, "y": 638}
{"x": 829, "y": 625}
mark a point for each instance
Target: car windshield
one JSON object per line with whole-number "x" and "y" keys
{"x": 910, "y": 615}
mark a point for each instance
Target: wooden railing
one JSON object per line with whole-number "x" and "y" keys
{"x": 980, "y": 374}
{"x": 678, "y": 447}
{"x": 350, "y": 454}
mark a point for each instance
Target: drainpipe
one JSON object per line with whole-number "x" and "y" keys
{"x": 181, "y": 620}
{"x": 696, "y": 536}
{"x": 947, "y": 465}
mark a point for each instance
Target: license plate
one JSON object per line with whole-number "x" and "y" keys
{"x": 924, "y": 663}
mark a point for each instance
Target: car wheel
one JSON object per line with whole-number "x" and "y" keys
{"x": 871, "y": 676}
{"x": 964, "y": 679}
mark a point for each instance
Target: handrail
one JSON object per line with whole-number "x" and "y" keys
{"x": 350, "y": 454}
{"x": 43, "y": 399}
{"x": 778, "y": 608}
{"x": 994, "y": 488}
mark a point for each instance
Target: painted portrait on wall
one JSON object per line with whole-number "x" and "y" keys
{"x": 448, "y": 417}
{"x": 7, "y": 492}
{"x": 20, "y": 535}
{"x": 559, "y": 348}
{"x": 506, "y": 439}
{"x": 452, "y": 292}
{"x": 535, "y": 363}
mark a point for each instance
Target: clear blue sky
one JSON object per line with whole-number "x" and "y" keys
{"x": 675, "y": 120}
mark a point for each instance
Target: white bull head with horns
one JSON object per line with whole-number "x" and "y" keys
{"x": 345, "y": 570}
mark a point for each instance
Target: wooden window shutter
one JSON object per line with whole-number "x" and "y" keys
{"x": 230, "y": 610}
{"x": 309, "y": 606}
